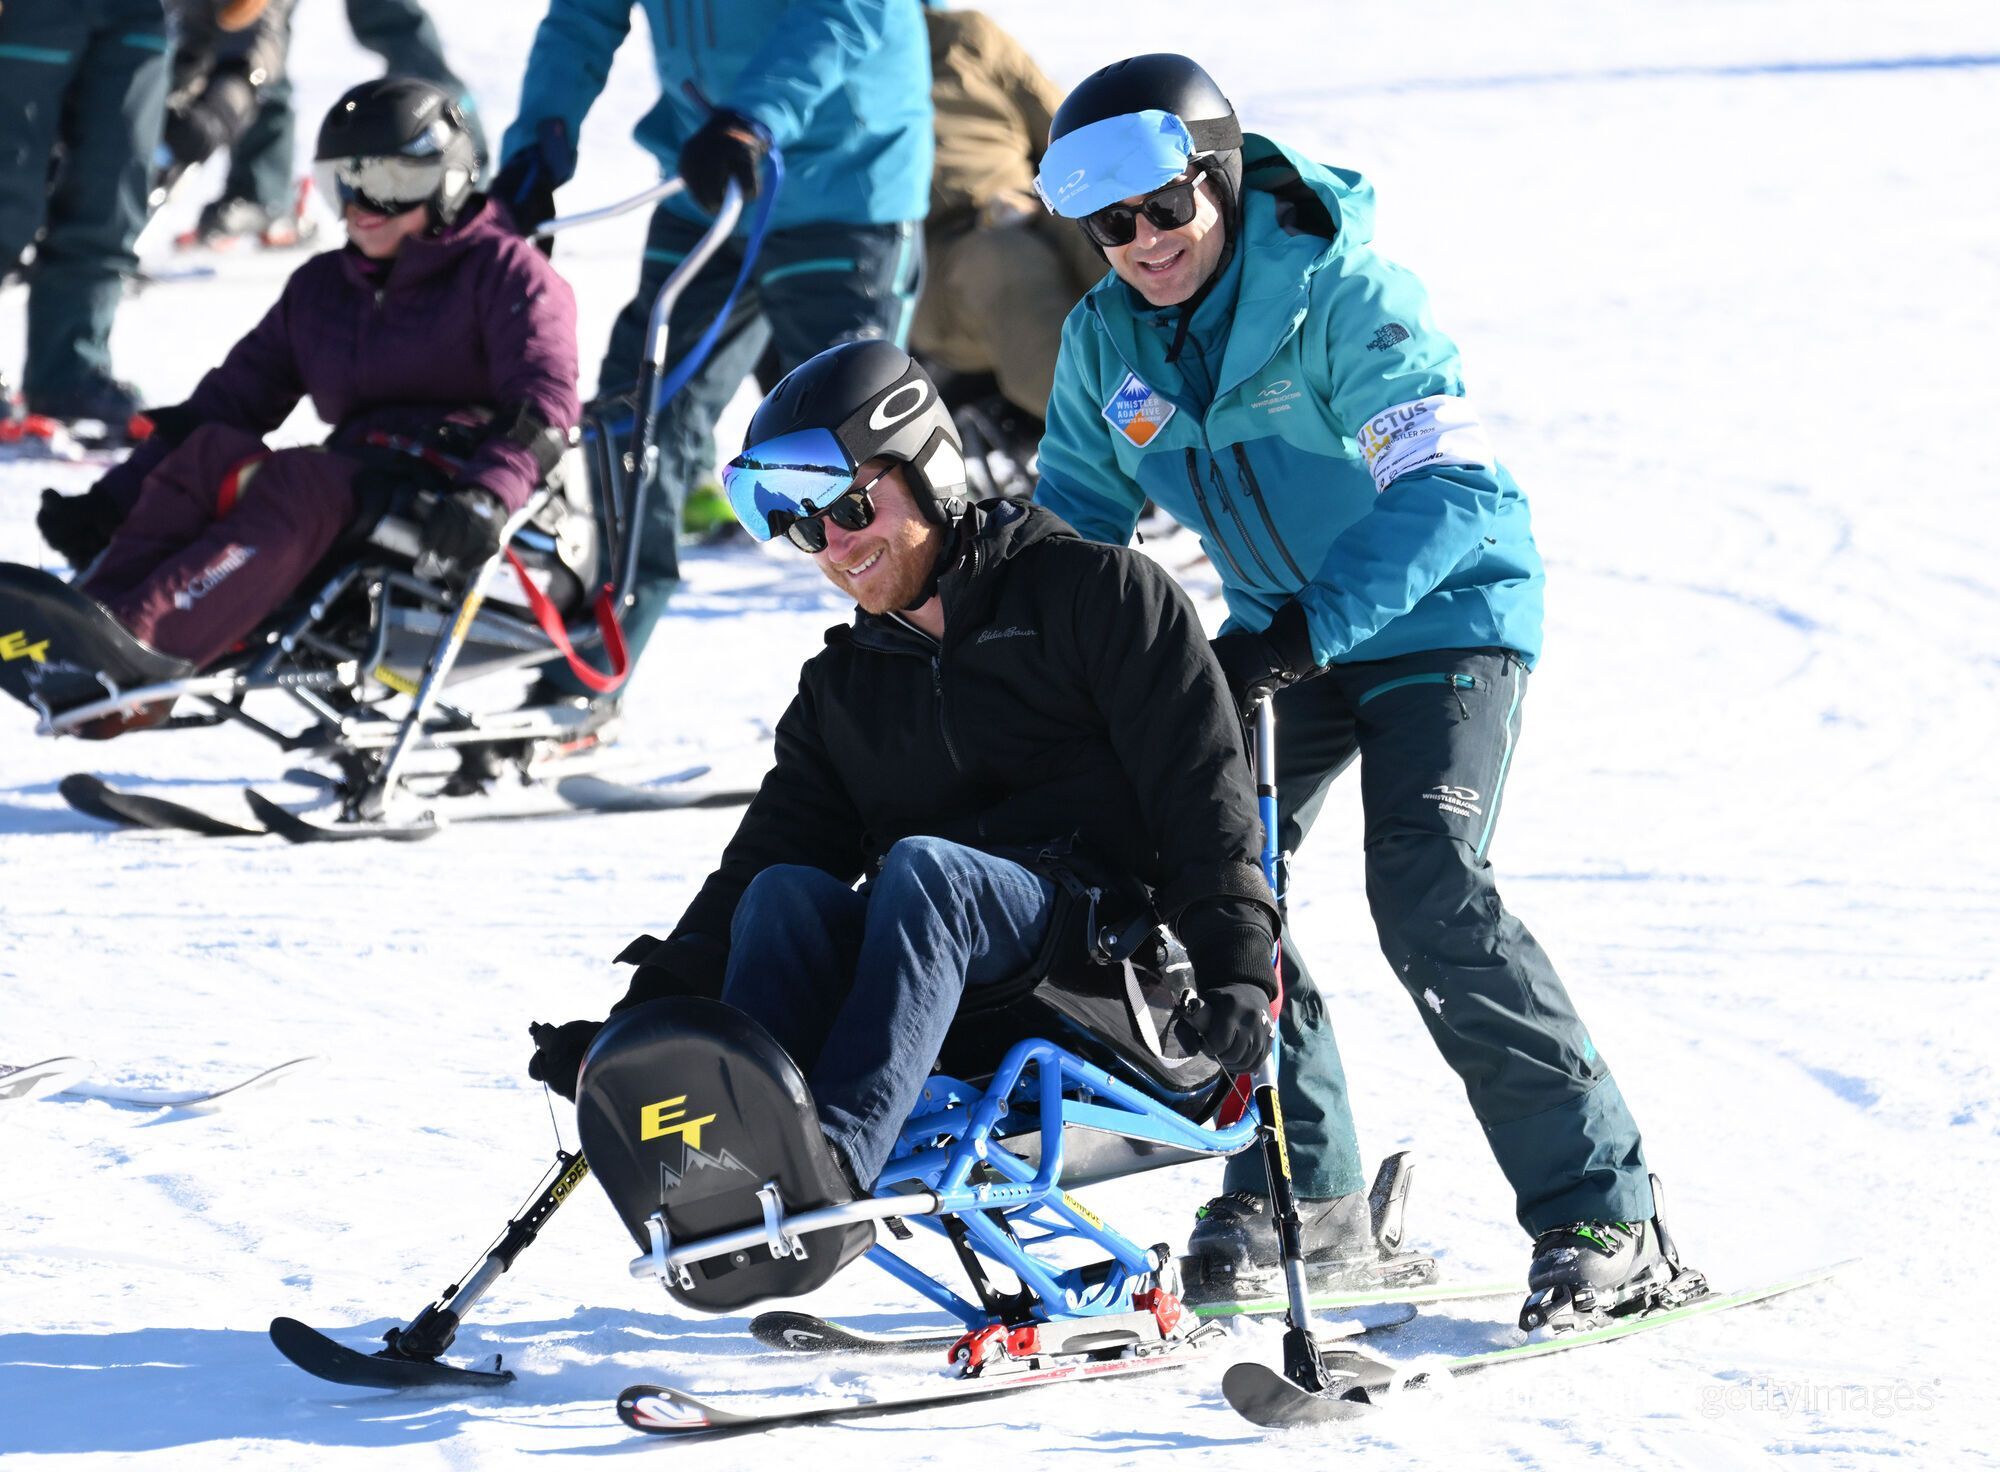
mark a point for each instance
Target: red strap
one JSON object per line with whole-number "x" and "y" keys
{"x": 552, "y": 625}
{"x": 232, "y": 482}
{"x": 1240, "y": 1092}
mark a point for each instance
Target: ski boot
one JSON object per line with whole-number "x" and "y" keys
{"x": 97, "y": 410}
{"x": 1351, "y": 1242}
{"x": 227, "y": 223}
{"x": 707, "y": 517}
{"x": 1585, "y": 1274}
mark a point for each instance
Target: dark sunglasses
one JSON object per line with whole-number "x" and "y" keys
{"x": 851, "y": 511}
{"x": 1168, "y": 208}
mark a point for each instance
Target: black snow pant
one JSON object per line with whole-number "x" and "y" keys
{"x": 1435, "y": 733}
{"x": 83, "y": 87}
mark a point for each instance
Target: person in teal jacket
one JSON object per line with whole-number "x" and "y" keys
{"x": 842, "y": 88}
{"x": 1255, "y": 368}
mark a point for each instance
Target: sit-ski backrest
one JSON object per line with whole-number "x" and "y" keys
{"x": 687, "y": 1107}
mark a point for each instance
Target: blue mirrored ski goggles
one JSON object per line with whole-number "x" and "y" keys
{"x": 784, "y": 487}
{"x": 1113, "y": 159}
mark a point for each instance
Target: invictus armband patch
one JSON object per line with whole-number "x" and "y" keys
{"x": 1440, "y": 429}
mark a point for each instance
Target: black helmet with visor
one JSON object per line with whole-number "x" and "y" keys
{"x": 395, "y": 144}
{"x": 828, "y": 417}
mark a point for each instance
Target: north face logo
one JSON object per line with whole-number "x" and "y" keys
{"x": 1388, "y": 337}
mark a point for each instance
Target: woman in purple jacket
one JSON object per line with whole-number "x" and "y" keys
{"x": 441, "y": 347}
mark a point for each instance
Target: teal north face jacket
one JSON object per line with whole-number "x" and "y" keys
{"x": 1313, "y": 431}
{"x": 843, "y": 85}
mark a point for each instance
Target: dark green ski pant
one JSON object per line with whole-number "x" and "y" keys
{"x": 88, "y": 77}
{"x": 1435, "y": 733}
{"x": 813, "y": 286}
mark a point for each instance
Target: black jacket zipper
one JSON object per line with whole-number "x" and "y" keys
{"x": 1242, "y": 527}
{"x": 1257, "y": 497}
{"x": 1208, "y": 519}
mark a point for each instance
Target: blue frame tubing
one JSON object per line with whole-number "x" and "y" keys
{"x": 658, "y": 386}
{"x": 1028, "y": 1091}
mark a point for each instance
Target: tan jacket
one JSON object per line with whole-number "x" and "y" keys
{"x": 993, "y": 107}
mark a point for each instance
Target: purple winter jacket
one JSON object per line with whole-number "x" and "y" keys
{"x": 473, "y": 316}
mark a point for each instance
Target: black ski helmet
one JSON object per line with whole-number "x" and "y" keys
{"x": 877, "y": 402}
{"x": 395, "y": 143}
{"x": 1162, "y": 81}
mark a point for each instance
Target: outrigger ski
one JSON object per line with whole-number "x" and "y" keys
{"x": 1360, "y": 1382}
{"x": 385, "y": 1369}
{"x": 95, "y": 798}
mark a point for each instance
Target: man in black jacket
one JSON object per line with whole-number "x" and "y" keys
{"x": 1006, "y": 690}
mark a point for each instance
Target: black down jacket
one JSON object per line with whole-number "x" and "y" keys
{"x": 1073, "y": 703}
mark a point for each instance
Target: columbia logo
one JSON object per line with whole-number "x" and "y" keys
{"x": 1388, "y": 337}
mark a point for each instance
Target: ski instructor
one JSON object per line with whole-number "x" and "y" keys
{"x": 1255, "y": 368}
{"x": 842, "y": 87}
{"x": 1009, "y": 696}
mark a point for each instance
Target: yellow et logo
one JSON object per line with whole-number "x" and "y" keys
{"x": 16, "y": 646}
{"x": 659, "y": 1119}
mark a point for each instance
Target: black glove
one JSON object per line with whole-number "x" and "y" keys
{"x": 526, "y": 184}
{"x": 1234, "y": 1024}
{"x": 1278, "y": 655}
{"x": 559, "y": 1053}
{"x": 79, "y": 527}
{"x": 212, "y": 121}
{"x": 663, "y": 970}
{"x": 464, "y": 526}
{"x": 728, "y": 146}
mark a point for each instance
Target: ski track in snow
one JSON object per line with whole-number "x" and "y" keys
{"x": 1723, "y": 276}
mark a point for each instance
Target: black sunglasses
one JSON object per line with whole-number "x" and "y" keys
{"x": 1169, "y": 208}
{"x": 851, "y": 510}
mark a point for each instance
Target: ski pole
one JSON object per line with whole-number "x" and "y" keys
{"x": 431, "y": 1332}
{"x": 1303, "y": 1366}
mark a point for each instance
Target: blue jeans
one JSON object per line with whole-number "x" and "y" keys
{"x": 860, "y": 987}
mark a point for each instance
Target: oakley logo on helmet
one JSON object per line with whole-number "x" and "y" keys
{"x": 899, "y": 404}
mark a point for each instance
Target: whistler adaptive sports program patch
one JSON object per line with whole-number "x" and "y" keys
{"x": 1136, "y": 412}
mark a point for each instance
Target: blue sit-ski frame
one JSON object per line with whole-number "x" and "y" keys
{"x": 956, "y": 1128}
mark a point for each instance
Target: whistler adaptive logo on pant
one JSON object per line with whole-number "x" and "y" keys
{"x": 1460, "y": 800}
{"x": 1136, "y": 412}
{"x": 211, "y": 577}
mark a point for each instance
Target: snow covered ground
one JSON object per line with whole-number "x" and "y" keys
{"x": 1724, "y": 275}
